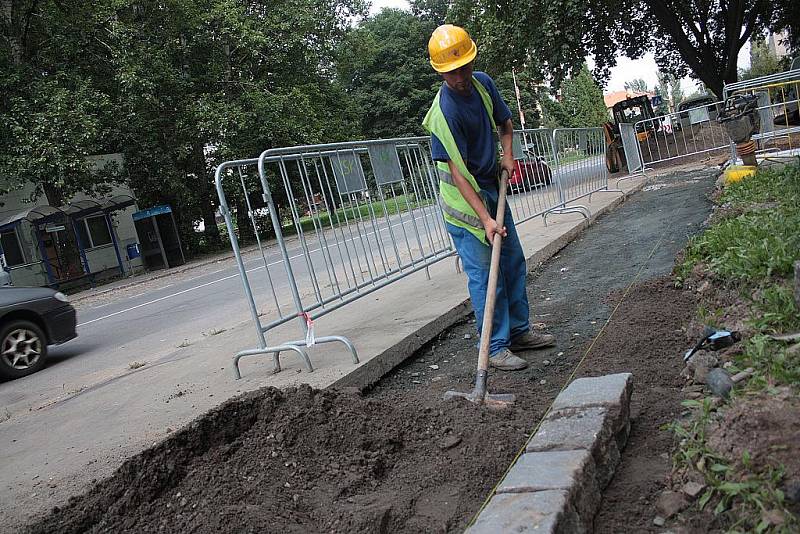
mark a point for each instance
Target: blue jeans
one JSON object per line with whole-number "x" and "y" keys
{"x": 511, "y": 312}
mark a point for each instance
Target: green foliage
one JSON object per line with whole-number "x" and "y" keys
{"x": 701, "y": 37}
{"x": 637, "y": 84}
{"x": 383, "y": 66}
{"x": 762, "y": 60}
{"x": 530, "y": 96}
{"x": 763, "y": 241}
{"x": 581, "y": 103}
{"x": 669, "y": 88}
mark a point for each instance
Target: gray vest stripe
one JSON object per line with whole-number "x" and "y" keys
{"x": 459, "y": 216}
{"x": 445, "y": 177}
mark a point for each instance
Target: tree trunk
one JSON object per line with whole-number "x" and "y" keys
{"x": 206, "y": 197}
{"x": 53, "y": 194}
{"x": 243, "y": 223}
{"x": 13, "y": 33}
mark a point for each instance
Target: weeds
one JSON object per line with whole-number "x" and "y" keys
{"x": 136, "y": 365}
{"x": 753, "y": 247}
{"x": 745, "y": 496}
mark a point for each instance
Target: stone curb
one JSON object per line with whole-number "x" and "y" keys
{"x": 557, "y": 484}
{"x": 371, "y": 372}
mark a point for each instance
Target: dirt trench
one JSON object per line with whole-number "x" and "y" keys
{"x": 398, "y": 458}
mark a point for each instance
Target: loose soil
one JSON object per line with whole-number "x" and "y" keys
{"x": 398, "y": 458}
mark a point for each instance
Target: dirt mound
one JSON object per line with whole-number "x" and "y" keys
{"x": 304, "y": 460}
{"x": 768, "y": 428}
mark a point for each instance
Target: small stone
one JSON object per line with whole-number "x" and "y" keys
{"x": 467, "y": 336}
{"x": 434, "y": 367}
{"x": 295, "y": 497}
{"x": 287, "y": 485}
{"x": 546, "y": 362}
{"x": 414, "y": 374}
{"x": 416, "y": 382}
{"x": 727, "y": 365}
{"x": 719, "y": 382}
{"x": 184, "y": 501}
{"x": 659, "y": 521}
{"x": 178, "y": 495}
{"x": 542, "y": 382}
{"x": 449, "y": 442}
{"x": 560, "y": 354}
{"x": 693, "y": 489}
{"x": 670, "y": 503}
{"x": 436, "y": 378}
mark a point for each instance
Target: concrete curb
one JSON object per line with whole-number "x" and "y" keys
{"x": 556, "y": 485}
{"x": 371, "y": 372}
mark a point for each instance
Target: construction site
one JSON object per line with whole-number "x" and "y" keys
{"x": 337, "y": 370}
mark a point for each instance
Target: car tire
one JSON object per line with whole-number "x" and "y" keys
{"x": 23, "y": 349}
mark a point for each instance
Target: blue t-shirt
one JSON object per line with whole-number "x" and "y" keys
{"x": 472, "y": 129}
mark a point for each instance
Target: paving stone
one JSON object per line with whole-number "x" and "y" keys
{"x": 608, "y": 390}
{"x": 573, "y": 471}
{"x": 537, "y": 471}
{"x": 539, "y": 512}
{"x": 591, "y": 429}
{"x": 570, "y": 430}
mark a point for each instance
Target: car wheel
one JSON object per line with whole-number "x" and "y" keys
{"x": 23, "y": 349}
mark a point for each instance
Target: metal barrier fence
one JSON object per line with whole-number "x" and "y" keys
{"x": 580, "y": 168}
{"x": 696, "y": 130}
{"x": 351, "y": 218}
{"x": 778, "y": 103}
{"x": 533, "y": 189}
{"x": 683, "y": 133}
{"x": 364, "y": 215}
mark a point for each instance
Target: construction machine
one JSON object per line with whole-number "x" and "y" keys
{"x": 630, "y": 111}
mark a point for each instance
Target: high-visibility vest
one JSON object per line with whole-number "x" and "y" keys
{"x": 456, "y": 209}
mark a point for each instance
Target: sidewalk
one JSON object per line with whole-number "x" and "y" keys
{"x": 55, "y": 452}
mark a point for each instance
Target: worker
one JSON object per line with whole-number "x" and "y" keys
{"x": 462, "y": 122}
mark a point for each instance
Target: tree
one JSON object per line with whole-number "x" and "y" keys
{"x": 383, "y": 65}
{"x": 669, "y": 88}
{"x": 581, "y": 104}
{"x": 530, "y": 95}
{"x": 762, "y": 61}
{"x": 703, "y": 37}
{"x": 638, "y": 85}
{"x": 52, "y": 117}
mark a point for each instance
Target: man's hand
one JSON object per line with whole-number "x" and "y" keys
{"x": 491, "y": 228}
{"x": 507, "y": 164}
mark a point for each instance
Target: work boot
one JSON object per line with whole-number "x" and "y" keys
{"x": 505, "y": 360}
{"x": 531, "y": 340}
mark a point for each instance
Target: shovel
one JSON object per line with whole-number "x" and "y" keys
{"x": 480, "y": 395}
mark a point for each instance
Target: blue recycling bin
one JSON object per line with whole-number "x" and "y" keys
{"x": 133, "y": 251}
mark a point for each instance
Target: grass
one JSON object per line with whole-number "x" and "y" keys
{"x": 394, "y": 205}
{"x": 751, "y": 246}
{"x": 745, "y": 498}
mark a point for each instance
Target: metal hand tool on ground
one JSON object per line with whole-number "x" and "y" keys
{"x": 480, "y": 395}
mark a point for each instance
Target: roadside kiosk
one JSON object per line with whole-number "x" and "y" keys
{"x": 159, "y": 243}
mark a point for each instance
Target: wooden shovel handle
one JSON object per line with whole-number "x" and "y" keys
{"x": 494, "y": 271}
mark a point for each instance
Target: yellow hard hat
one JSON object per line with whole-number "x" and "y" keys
{"x": 450, "y": 47}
